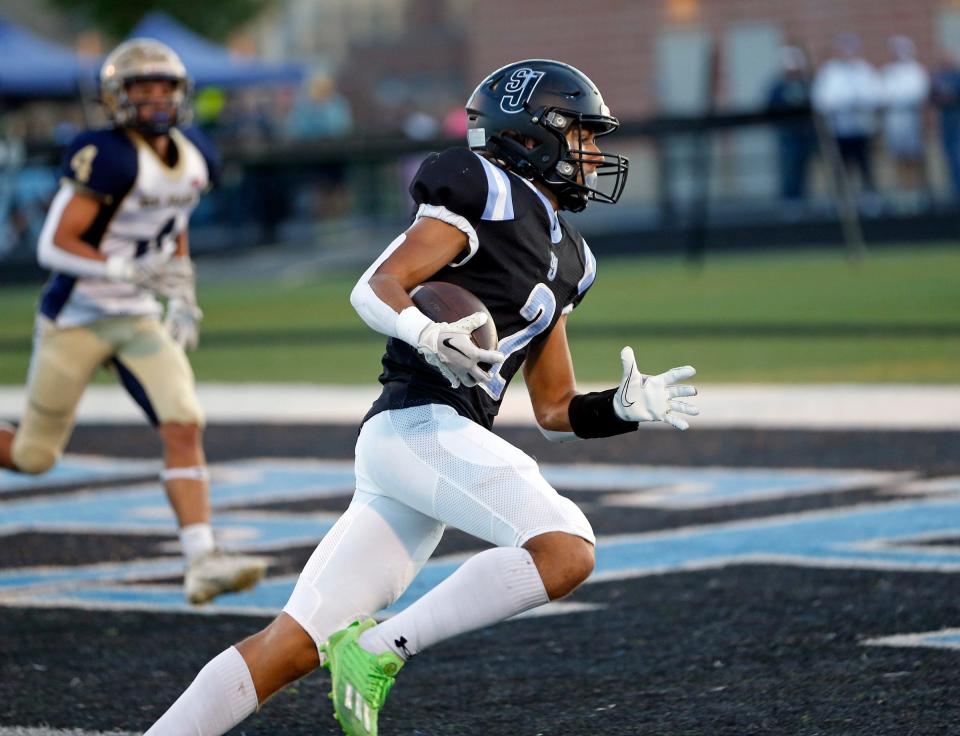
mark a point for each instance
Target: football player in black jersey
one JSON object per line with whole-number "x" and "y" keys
{"x": 487, "y": 219}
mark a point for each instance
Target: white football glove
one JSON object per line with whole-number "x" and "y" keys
{"x": 145, "y": 271}
{"x": 183, "y": 322}
{"x": 177, "y": 280}
{"x": 642, "y": 398}
{"x": 448, "y": 348}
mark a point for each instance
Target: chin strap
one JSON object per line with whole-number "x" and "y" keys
{"x": 514, "y": 154}
{"x": 570, "y": 197}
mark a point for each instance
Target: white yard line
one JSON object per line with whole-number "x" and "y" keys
{"x": 803, "y": 406}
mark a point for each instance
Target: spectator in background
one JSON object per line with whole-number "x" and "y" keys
{"x": 320, "y": 111}
{"x": 846, "y": 91}
{"x": 796, "y": 135}
{"x": 905, "y": 87}
{"x": 245, "y": 118}
{"x": 945, "y": 94}
{"x": 420, "y": 126}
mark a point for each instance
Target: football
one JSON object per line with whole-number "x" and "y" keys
{"x": 445, "y": 302}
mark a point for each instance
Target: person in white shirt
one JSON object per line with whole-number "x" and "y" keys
{"x": 796, "y": 136}
{"x": 847, "y": 93}
{"x": 906, "y": 86}
{"x": 115, "y": 237}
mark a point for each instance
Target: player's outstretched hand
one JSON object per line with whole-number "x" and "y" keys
{"x": 448, "y": 347}
{"x": 642, "y": 398}
{"x": 183, "y": 322}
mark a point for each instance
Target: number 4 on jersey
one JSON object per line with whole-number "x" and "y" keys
{"x": 82, "y": 163}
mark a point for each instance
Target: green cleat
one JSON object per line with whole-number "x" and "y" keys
{"x": 361, "y": 680}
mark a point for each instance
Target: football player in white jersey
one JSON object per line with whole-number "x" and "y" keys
{"x": 116, "y": 237}
{"x": 488, "y": 219}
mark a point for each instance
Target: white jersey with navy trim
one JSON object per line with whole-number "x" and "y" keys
{"x": 526, "y": 263}
{"x": 144, "y": 205}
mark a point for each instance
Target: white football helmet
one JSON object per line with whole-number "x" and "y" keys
{"x": 144, "y": 59}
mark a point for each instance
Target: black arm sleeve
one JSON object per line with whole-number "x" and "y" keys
{"x": 592, "y": 415}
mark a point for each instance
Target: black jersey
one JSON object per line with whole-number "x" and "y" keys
{"x": 524, "y": 262}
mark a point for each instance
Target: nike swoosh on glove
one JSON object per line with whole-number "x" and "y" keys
{"x": 447, "y": 346}
{"x": 643, "y": 398}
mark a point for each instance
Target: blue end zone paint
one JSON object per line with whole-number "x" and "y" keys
{"x": 951, "y": 640}
{"x": 687, "y": 488}
{"x": 865, "y": 536}
{"x": 879, "y": 535}
{"x": 41, "y": 579}
{"x": 74, "y": 470}
{"x": 144, "y": 508}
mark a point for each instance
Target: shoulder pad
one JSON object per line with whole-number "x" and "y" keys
{"x": 453, "y": 179}
{"x": 102, "y": 162}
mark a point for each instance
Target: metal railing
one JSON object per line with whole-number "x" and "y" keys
{"x": 696, "y": 183}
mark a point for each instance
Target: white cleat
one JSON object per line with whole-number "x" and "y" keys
{"x": 215, "y": 573}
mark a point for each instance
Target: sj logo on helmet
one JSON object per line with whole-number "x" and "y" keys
{"x": 518, "y": 89}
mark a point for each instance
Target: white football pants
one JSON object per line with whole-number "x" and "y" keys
{"x": 419, "y": 469}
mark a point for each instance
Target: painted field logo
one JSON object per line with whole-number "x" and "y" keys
{"x": 266, "y": 506}
{"x": 518, "y": 89}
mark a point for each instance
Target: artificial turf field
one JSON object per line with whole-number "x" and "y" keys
{"x": 806, "y": 316}
{"x": 747, "y": 583}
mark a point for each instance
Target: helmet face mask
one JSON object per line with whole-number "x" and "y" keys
{"x": 144, "y": 60}
{"x": 585, "y": 175}
{"x": 522, "y": 115}
{"x": 153, "y": 114}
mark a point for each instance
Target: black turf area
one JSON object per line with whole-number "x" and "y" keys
{"x": 746, "y": 649}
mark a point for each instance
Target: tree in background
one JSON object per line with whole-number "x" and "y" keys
{"x": 212, "y": 18}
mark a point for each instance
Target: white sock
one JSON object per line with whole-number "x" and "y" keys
{"x": 219, "y": 698}
{"x": 196, "y": 540}
{"x": 489, "y": 587}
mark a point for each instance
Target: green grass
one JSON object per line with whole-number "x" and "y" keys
{"x": 781, "y": 317}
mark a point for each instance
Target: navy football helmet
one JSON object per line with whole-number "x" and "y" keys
{"x": 538, "y": 101}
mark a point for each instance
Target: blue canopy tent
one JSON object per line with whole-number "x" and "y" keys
{"x": 208, "y": 63}
{"x": 31, "y": 66}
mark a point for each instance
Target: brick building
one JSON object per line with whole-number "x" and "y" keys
{"x": 649, "y": 56}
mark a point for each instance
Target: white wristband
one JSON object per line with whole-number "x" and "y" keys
{"x": 410, "y": 323}
{"x": 119, "y": 268}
